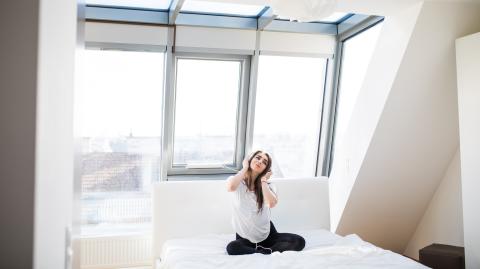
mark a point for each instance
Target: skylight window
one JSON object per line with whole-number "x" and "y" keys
{"x": 216, "y": 8}
{"x": 334, "y": 18}
{"x": 142, "y": 4}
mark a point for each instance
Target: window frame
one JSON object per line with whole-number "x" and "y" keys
{"x": 247, "y": 102}
{"x": 241, "y": 115}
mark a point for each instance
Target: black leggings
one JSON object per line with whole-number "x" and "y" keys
{"x": 275, "y": 241}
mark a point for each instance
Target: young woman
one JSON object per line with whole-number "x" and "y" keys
{"x": 252, "y": 198}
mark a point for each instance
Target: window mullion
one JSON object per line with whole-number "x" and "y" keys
{"x": 327, "y": 119}
{"x": 242, "y": 114}
{"x": 252, "y": 93}
{"x": 168, "y": 108}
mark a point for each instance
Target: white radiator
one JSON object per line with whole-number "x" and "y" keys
{"x": 115, "y": 251}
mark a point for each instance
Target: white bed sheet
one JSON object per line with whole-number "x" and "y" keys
{"x": 323, "y": 249}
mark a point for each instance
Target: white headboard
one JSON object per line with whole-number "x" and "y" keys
{"x": 189, "y": 208}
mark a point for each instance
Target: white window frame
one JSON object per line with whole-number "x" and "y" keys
{"x": 241, "y": 117}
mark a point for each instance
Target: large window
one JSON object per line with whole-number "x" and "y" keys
{"x": 207, "y": 102}
{"x": 356, "y": 54}
{"x": 121, "y": 130}
{"x": 288, "y": 112}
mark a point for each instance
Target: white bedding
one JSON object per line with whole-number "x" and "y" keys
{"x": 323, "y": 249}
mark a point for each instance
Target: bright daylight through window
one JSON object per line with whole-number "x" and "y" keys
{"x": 207, "y": 94}
{"x": 288, "y": 112}
{"x": 120, "y": 153}
{"x": 356, "y": 55}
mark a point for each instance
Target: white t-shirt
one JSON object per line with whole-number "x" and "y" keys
{"x": 246, "y": 220}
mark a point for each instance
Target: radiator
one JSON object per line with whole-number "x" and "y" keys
{"x": 115, "y": 251}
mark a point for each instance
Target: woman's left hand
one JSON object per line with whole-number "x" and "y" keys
{"x": 267, "y": 176}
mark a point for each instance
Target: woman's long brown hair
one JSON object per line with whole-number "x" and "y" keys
{"x": 257, "y": 182}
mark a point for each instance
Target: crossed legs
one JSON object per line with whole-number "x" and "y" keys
{"x": 275, "y": 242}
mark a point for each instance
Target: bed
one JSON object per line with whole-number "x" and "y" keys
{"x": 192, "y": 227}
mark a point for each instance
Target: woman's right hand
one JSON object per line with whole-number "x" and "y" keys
{"x": 245, "y": 164}
{"x": 233, "y": 182}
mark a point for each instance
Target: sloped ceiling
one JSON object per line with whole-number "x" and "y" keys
{"x": 396, "y": 157}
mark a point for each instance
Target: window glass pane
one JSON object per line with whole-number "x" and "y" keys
{"x": 287, "y": 113}
{"x": 206, "y": 7}
{"x": 147, "y": 4}
{"x": 356, "y": 54}
{"x": 206, "y": 111}
{"x": 121, "y": 116}
{"x": 336, "y": 16}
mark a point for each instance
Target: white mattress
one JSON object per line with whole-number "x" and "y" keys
{"x": 323, "y": 249}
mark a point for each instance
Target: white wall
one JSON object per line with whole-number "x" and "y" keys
{"x": 468, "y": 66}
{"x": 54, "y": 132}
{"x": 77, "y": 127}
{"x": 271, "y": 42}
{"x": 404, "y": 129}
{"x": 215, "y": 38}
{"x": 210, "y": 39}
{"x": 442, "y": 222}
{"x": 349, "y": 154}
{"x": 122, "y": 33}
